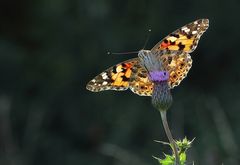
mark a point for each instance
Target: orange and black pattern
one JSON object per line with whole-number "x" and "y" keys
{"x": 173, "y": 51}
{"x": 184, "y": 39}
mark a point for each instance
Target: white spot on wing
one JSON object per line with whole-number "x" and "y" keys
{"x": 119, "y": 68}
{"x": 172, "y": 39}
{"x": 194, "y": 32}
{"x": 187, "y": 30}
{"x": 104, "y": 83}
{"x": 104, "y": 76}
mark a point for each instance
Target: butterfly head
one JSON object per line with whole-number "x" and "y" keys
{"x": 144, "y": 52}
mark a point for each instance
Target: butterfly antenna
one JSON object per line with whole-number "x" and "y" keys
{"x": 133, "y": 52}
{"x": 148, "y": 36}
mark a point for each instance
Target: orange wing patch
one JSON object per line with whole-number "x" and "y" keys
{"x": 121, "y": 73}
{"x": 181, "y": 42}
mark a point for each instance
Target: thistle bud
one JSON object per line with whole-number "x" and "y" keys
{"x": 161, "y": 96}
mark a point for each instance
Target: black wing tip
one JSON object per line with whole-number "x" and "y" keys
{"x": 204, "y": 21}
{"x": 91, "y": 88}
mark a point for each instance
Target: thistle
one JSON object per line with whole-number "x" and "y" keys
{"x": 162, "y": 100}
{"x": 161, "y": 95}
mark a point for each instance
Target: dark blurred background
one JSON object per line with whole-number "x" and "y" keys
{"x": 50, "y": 49}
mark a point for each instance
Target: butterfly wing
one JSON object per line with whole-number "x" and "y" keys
{"x": 128, "y": 74}
{"x": 177, "y": 63}
{"x": 116, "y": 77}
{"x": 141, "y": 84}
{"x": 184, "y": 39}
{"x": 174, "y": 50}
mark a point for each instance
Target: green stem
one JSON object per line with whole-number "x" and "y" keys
{"x": 169, "y": 135}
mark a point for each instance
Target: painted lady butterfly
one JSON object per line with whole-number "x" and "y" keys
{"x": 173, "y": 51}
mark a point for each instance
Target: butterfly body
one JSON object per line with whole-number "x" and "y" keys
{"x": 170, "y": 56}
{"x": 150, "y": 60}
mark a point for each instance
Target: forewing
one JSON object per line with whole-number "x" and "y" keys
{"x": 128, "y": 74}
{"x": 185, "y": 38}
{"x": 116, "y": 77}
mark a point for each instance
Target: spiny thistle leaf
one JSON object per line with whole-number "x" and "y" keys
{"x": 168, "y": 160}
{"x": 182, "y": 145}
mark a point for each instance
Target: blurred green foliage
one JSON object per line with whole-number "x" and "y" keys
{"x": 50, "y": 49}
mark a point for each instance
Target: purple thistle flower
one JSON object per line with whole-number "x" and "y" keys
{"x": 161, "y": 96}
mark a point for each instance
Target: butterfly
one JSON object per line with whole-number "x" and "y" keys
{"x": 173, "y": 52}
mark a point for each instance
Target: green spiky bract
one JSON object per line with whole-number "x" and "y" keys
{"x": 183, "y": 146}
